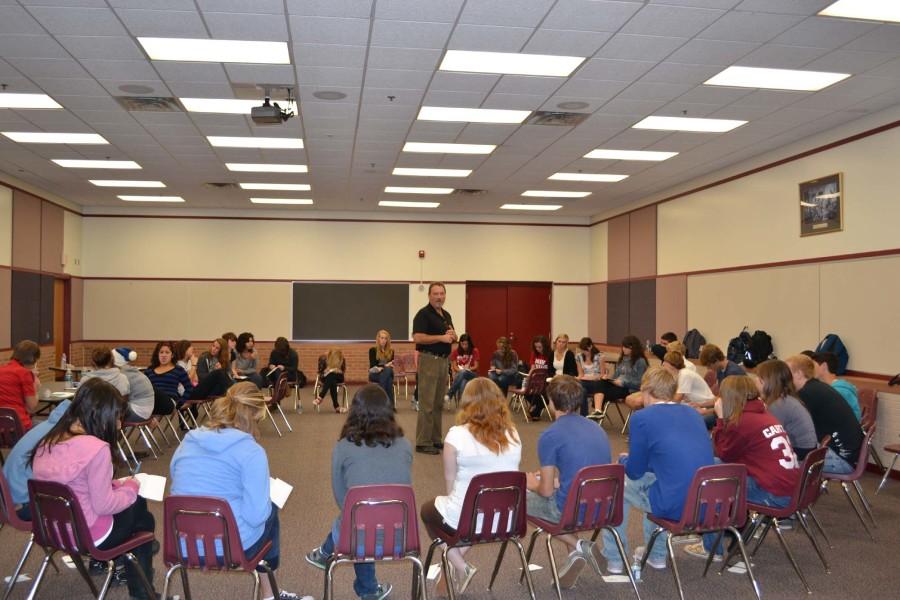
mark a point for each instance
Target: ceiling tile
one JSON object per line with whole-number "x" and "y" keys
{"x": 397, "y": 78}
{"x": 30, "y": 46}
{"x": 614, "y": 70}
{"x": 14, "y": 19}
{"x": 457, "y": 99}
{"x": 885, "y": 38}
{"x": 566, "y": 43}
{"x": 486, "y": 38}
{"x": 781, "y": 57}
{"x": 243, "y": 73}
{"x": 158, "y": 88}
{"x": 328, "y": 55}
{"x": 325, "y": 76}
{"x": 242, "y": 26}
{"x": 824, "y": 33}
{"x": 464, "y": 82}
{"x": 586, "y": 15}
{"x": 514, "y": 101}
{"x": 591, "y": 88}
{"x": 522, "y": 84}
{"x": 120, "y": 69}
{"x": 331, "y": 8}
{"x": 77, "y": 21}
{"x": 640, "y": 47}
{"x": 191, "y": 72}
{"x": 673, "y": 21}
{"x": 329, "y": 30}
{"x": 749, "y": 27}
{"x": 794, "y": 7}
{"x": 49, "y": 67}
{"x": 711, "y": 52}
{"x": 163, "y": 23}
{"x": 101, "y": 47}
{"x": 71, "y": 87}
{"x": 669, "y": 72}
{"x": 645, "y": 90}
{"x": 409, "y": 34}
{"x": 433, "y": 11}
{"x": 191, "y": 89}
{"x": 272, "y": 7}
{"x": 402, "y": 58}
{"x": 499, "y": 12}
{"x": 849, "y": 61}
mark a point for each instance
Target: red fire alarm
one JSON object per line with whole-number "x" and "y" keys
{"x": 421, "y": 254}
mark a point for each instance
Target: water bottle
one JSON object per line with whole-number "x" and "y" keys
{"x": 636, "y": 569}
{"x": 68, "y": 377}
{"x": 63, "y": 362}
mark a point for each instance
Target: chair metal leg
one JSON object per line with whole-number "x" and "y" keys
{"x": 875, "y": 456}
{"x": 791, "y": 558}
{"x": 865, "y": 502}
{"x": 762, "y": 536}
{"x": 167, "y": 579}
{"x": 850, "y": 499}
{"x": 448, "y": 574}
{"x": 819, "y": 527}
{"x": 528, "y": 553}
{"x": 674, "y": 566}
{"x": 621, "y": 549}
{"x": 147, "y": 443}
{"x": 649, "y": 547}
{"x": 627, "y": 421}
{"x": 887, "y": 474}
{"x": 139, "y": 570}
{"x": 255, "y": 577}
{"x": 524, "y": 567}
{"x": 740, "y": 543}
{"x": 110, "y": 569}
{"x": 418, "y": 583}
{"x": 712, "y": 553}
{"x": 809, "y": 534}
{"x": 32, "y": 592}
{"x": 554, "y": 570}
{"x": 281, "y": 412}
{"x": 270, "y": 575}
{"x": 434, "y": 544}
{"x": 271, "y": 418}
{"x": 130, "y": 450}
{"x": 497, "y": 564}
{"x": 15, "y": 575}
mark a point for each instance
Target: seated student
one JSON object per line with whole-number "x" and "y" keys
{"x": 231, "y": 339}
{"x": 691, "y": 387}
{"x": 216, "y": 382}
{"x": 105, "y": 369}
{"x": 209, "y": 361}
{"x": 331, "y": 373}
{"x": 381, "y": 363}
{"x": 484, "y": 440}
{"x": 660, "y": 348}
{"x": 224, "y": 459}
{"x": 246, "y": 365}
{"x": 141, "y": 395}
{"x": 19, "y": 381}
{"x": 167, "y": 377}
{"x": 746, "y": 434}
{"x": 184, "y": 358}
{"x": 504, "y": 370}
{"x": 712, "y": 357}
{"x": 831, "y": 415}
{"x": 565, "y": 447}
{"x": 681, "y": 349}
{"x": 826, "y": 366}
{"x": 541, "y": 358}
{"x": 464, "y": 364}
{"x": 589, "y": 362}
{"x": 283, "y": 359}
{"x": 371, "y": 450}
{"x": 563, "y": 358}
{"x": 625, "y": 379}
{"x": 776, "y": 388}
{"x": 17, "y": 468}
{"x": 78, "y": 452}
{"x": 668, "y": 443}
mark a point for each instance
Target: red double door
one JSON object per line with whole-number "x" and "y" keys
{"x": 518, "y": 311}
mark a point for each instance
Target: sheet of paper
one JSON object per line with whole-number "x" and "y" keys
{"x": 23, "y": 577}
{"x": 616, "y": 579}
{"x": 279, "y": 491}
{"x": 153, "y": 487}
{"x": 433, "y": 572}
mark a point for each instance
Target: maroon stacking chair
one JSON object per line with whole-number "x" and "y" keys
{"x": 493, "y": 511}
{"x": 190, "y": 521}
{"x": 279, "y": 393}
{"x": 142, "y": 427}
{"x": 9, "y": 517}
{"x": 58, "y": 525}
{"x": 10, "y": 430}
{"x": 535, "y": 388}
{"x": 595, "y": 502}
{"x": 868, "y": 407}
{"x": 854, "y": 477}
{"x": 716, "y": 503}
{"x": 379, "y": 523}
{"x": 895, "y": 450}
{"x": 805, "y": 495}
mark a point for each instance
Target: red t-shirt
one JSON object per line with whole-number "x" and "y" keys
{"x": 16, "y": 384}
{"x": 539, "y": 361}
{"x": 464, "y": 360}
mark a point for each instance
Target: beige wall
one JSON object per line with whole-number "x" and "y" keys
{"x": 5, "y": 226}
{"x": 71, "y": 243}
{"x": 570, "y": 310}
{"x": 756, "y": 219}
{"x": 599, "y": 252}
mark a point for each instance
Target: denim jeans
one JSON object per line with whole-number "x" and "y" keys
{"x": 637, "y": 495}
{"x": 504, "y": 381}
{"x": 835, "y": 464}
{"x": 463, "y": 376}
{"x": 542, "y": 507}
{"x": 366, "y": 582}
{"x": 756, "y": 495}
{"x": 385, "y": 379}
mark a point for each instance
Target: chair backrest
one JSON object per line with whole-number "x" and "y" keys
{"x": 56, "y": 518}
{"x": 868, "y": 406}
{"x": 810, "y": 485}
{"x": 493, "y": 509}
{"x": 198, "y": 527}
{"x": 595, "y": 498}
{"x": 401, "y": 362}
{"x": 717, "y": 498}
{"x": 537, "y": 382}
{"x": 379, "y": 522}
{"x": 280, "y": 389}
{"x": 10, "y": 427}
{"x": 7, "y": 507}
{"x": 863, "y": 459}
{"x": 322, "y": 364}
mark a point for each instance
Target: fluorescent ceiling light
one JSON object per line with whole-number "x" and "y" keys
{"x": 127, "y": 183}
{"x": 26, "y": 137}
{"x": 629, "y": 154}
{"x": 254, "y": 142}
{"x": 776, "y": 79}
{"x": 281, "y": 201}
{"x": 152, "y": 198}
{"x": 554, "y": 194}
{"x": 432, "y": 172}
{"x": 401, "y": 204}
{"x": 605, "y": 177}
{"x": 417, "y": 190}
{"x": 870, "y": 10}
{"x": 96, "y": 164}
{"x": 219, "y": 105}
{"x": 531, "y": 206}
{"x": 293, "y": 187}
{"x": 509, "y": 63}
{"x": 472, "y": 115}
{"x": 448, "y": 148}
{"x": 266, "y": 168}
{"x": 11, "y": 100}
{"x": 223, "y": 51}
{"x": 688, "y": 124}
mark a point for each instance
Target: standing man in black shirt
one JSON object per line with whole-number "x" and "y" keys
{"x": 433, "y": 334}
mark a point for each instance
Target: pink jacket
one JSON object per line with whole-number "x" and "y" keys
{"x": 84, "y": 464}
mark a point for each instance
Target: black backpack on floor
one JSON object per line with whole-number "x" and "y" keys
{"x": 760, "y": 349}
{"x": 738, "y": 347}
{"x": 693, "y": 341}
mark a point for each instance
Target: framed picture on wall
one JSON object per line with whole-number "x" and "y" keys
{"x": 822, "y": 205}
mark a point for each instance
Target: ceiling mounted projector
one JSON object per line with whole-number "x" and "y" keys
{"x": 270, "y": 113}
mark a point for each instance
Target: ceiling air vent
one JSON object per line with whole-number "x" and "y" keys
{"x": 556, "y": 119}
{"x": 465, "y": 192}
{"x": 221, "y": 185}
{"x": 149, "y": 103}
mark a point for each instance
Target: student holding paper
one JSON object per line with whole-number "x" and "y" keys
{"x": 224, "y": 459}
{"x": 78, "y": 452}
{"x": 381, "y": 363}
{"x": 371, "y": 450}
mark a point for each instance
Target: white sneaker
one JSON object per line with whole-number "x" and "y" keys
{"x": 653, "y": 562}
{"x": 568, "y": 574}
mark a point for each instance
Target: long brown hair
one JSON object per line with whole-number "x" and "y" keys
{"x": 506, "y": 353}
{"x": 242, "y": 408}
{"x": 385, "y": 354}
{"x": 735, "y": 392}
{"x": 224, "y": 355}
{"x": 637, "y": 351}
{"x": 777, "y": 381}
{"x": 371, "y": 418}
{"x": 485, "y": 412}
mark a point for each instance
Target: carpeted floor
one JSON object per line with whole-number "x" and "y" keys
{"x": 859, "y": 566}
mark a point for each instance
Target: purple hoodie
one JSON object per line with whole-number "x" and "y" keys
{"x": 85, "y": 465}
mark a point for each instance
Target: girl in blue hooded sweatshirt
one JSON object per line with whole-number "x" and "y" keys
{"x": 224, "y": 459}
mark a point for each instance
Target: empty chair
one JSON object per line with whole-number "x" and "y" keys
{"x": 594, "y": 502}
{"x": 868, "y": 405}
{"x": 279, "y": 392}
{"x": 10, "y": 430}
{"x": 534, "y": 388}
{"x": 9, "y": 517}
{"x": 895, "y": 450}
{"x": 853, "y": 477}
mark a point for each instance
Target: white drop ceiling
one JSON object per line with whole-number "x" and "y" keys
{"x": 643, "y": 58}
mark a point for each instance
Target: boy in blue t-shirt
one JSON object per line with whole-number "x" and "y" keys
{"x": 668, "y": 444}
{"x": 571, "y": 443}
